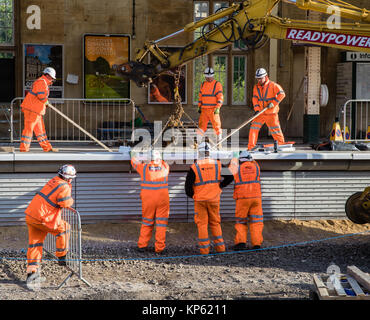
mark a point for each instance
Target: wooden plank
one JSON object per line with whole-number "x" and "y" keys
{"x": 356, "y": 288}
{"x": 6, "y": 149}
{"x": 334, "y": 279}
{"x": 361, "y": 277}
{"x": 321, "y": 288}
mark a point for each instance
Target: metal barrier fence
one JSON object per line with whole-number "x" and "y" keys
{"x": 105, "y": 119}
{"x": 356, "y": 116}
{"x": 74, "y": 254}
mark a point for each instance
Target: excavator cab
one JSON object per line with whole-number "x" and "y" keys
{"x": 358, "y": 207}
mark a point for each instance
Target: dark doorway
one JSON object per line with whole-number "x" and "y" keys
{"x": 7, "y": 79}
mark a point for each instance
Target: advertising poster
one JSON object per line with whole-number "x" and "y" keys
{"x": 36, "y": 58}
{"x": 161, "y": 90}
{"x": 103, "y": 54}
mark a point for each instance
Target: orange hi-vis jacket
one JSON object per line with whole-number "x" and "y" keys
{"x": 153, "y": 177}
{"x": 270, "y": 92}
{"x": 36, "y": 99}
{"x": 207, "y": 180}
{"x": 247, "y": 179}
{"x": 46, "y": 205}
{"x": 210, "y": 95}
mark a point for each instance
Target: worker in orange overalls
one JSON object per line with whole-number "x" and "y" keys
{"x": 203, "y": 184}
{"x": 247, "y": 193}
{"x": 210, "y": 102}
{"x": 266, "y": 94}
{"x": 33, "y": 108}
{"x": 43, "y": 216}
{"x": 155, "y": 200}
{"x": 155, "y": 94}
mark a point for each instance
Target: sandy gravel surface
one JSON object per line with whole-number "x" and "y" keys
{"x": 282, "y": 269}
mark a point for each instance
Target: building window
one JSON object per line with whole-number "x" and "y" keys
{"x": 238, "y": 83}
{"x": 229, "y": 63}
{"x": 6, "y": 22}
{"x": 220, "y": 67}
{"x": 201, "y": 11}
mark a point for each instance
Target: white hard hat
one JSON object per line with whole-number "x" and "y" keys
{"x": 209, "y": 72}
{"x": 245, "y": 156}
{"x": 155, "y": 155}
{"x": 260, "y": 73}
{"x": 50, "y": 71}
{"x": 67, "y": 171}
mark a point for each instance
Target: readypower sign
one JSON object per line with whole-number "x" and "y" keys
{"x": 330, "y": 38}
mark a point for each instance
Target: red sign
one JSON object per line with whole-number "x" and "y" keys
{"x": 329, "y": 38}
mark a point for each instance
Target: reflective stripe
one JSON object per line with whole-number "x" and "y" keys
{"x": 26, "y": 142}
{"x": 147, "y": 219}
{"x": 60, "y": 250}
{"x": 217, "y": 238}
{"x": 161, "y": 225}
{"x": 163, "y": 219}
{"x": 64, "y": 199}
{"x": 47, "y": 200}
{"x": 255, "y": 128}
{"x": 154, "y": 188}
{"x": 147, "y": 224}
{"x": 203, "y": 240}
{"x": 218, "y": 244}
{"x": 209, "y": 104}
{"x": 202, "y": 182}
{"x": 36, "y": 245}
{"x": 33, "y": 263}
{"x": 204, "y": 246}
{"x": 26, "y": 137}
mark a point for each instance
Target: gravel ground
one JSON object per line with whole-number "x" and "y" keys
{"x": 282, "y": 269}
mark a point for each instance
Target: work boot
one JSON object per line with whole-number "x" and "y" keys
{"x": 62, "y": 261}
{"x": 256, "y": 247}
{"x": 53, "y": 150}
{"x": 240, "y": 246}
{"x": 142, "y": 249}
{"x": 34, "y": 280}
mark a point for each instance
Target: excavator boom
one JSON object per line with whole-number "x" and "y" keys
{"x": 252, "y": 22}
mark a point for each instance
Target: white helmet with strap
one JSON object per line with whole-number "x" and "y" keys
{"x": 50, "y": 71}
{"x": 209, "y": 72}
{"x": 260, "y": 73}
{"x": 67, "y": 171}
{"x": 155, "y": 155}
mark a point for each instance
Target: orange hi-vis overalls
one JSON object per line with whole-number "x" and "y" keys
{"x": 207, "y": 203}
{"x": 248, "y": 209}
{"x": 155, "y": 202}
{"x": 43, "y": 216}
{"x": 33, "y": 107}
{"x": 270, "y": 92}
{"x": 210, "y": 99}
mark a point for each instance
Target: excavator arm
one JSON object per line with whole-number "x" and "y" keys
{"x": 251, "y": 21}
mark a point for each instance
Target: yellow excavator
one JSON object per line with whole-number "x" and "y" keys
{"x": 253, "y": 23}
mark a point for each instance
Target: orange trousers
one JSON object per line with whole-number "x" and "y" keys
{"x": 36, "y": 236}
{"x": 249, "y": 212}
{"x": 206, "y": 116}
{"x": 33, "y": 123}
{"x": 208, "y": 213}
{"x": 273, "y": 123}
{"x": 155, "y": 210}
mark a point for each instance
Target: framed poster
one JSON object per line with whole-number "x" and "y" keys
{"x": 103, "y": 54}
{"x": 161, "y": 90}
{"x": 36, "y": 58}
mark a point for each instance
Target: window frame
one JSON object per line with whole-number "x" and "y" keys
{"x": 12, "y": 43}
{"x": 240, "y": 103}
{"x": 230, "y": 51}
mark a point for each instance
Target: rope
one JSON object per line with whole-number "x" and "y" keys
{"x": 201, "y": 255}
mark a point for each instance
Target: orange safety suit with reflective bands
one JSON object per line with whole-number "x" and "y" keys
{"x": 43, "y": 216}
{"x": 33, "y": 108}
{"x": 248, "y": 209}
{"x": 206, "y": 197}
{"x": 273, "y": 93}
{"x": 155, "y": 202}
{"x": 210, "y": 98}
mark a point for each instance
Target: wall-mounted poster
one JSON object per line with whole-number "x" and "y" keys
{"x": 103, "y": 54}
{"x": 36, "y": 58}
{"x": 161, "y": 90}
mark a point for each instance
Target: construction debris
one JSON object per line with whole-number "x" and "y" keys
{"x": 354, "y": 285}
